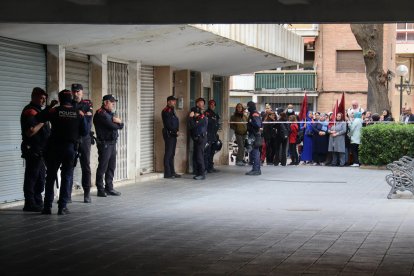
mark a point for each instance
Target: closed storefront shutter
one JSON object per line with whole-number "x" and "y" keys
{"x": 22, "y": 67}
{"x": 118, "y": 86}
{"x": 147, "y": 119}
{"x": 77, "y": 71}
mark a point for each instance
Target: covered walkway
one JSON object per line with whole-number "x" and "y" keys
{"x": 288, "y": 221}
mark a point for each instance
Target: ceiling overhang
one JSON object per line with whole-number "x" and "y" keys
{"x": 179, "y": 46}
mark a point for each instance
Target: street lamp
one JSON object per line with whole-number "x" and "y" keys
{"x": 401, "y": 71}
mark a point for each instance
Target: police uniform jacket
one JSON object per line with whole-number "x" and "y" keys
{"x": 213, "y": 125}
{"x": 255, "y": 123}
{"x": 170, "y": 121}
{"x": 106, "y": 129}
{"x": 85, "y": 106}
{"x": 36, "y": 143}
{"x": 198, "y": 126}
{"x": 67, "y": 124}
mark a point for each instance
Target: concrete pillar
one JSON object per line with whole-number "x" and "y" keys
{"x": 223, "y": 155}
{"x": 134, "y": 127}
{"x": 182, "y": 90}
{"x": 99, "y": 79}
{"x": 55, "y": 70}
{"x": 163, "y": 87}
{"x": 99, "y": 88}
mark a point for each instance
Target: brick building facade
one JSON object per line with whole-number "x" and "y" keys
{"x": 340, "y": 68}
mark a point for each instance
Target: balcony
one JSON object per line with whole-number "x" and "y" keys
{"x": 285, "y": 81}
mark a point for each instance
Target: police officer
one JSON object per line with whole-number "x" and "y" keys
{"x": 212, "y": 136}
{"x": 106, "y": 126}
{"x": 169, "y": 133}
{"x": 84, "y": 150}
{"x": 34, "y": 136}
{"x": 253, "y": 127}
{"x": 68, "y": 125}
{"x": 197, "y": 124}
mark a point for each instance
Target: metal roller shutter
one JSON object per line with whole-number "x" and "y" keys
{"x": 22, "y": 67}
{"x": 118, "y": 86}
{"x": 147, "y": 119}
{"x": 77, "y": 71}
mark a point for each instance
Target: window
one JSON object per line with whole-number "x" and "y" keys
{"x": 350, "y": 61}
{"x": 401, "y": 26}
{"x": 401, "y": 36}
{"x": 405, "y": 32}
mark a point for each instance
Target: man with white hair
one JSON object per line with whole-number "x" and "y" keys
{"x": 355, "y": 107}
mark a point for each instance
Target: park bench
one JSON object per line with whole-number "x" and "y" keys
{"x": 402, "y": 175}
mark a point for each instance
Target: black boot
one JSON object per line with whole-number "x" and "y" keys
{"x": 86, "y": 195}
{"x": 32, "y": 207}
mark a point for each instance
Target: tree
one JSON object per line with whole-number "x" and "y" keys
{"x": 370, "y": 38}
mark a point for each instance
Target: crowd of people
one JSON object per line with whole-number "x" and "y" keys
{"x": 56, "y": 137}
{"x": 320, "y": 139}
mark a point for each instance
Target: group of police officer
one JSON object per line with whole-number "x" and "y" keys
{"x": 46, "y": 149}
{"x": 203, "y": 125}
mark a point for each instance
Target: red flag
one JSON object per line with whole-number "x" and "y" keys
{"x": 334, "y": 112}
{"x": 303, "y": 108}
{"x": 341, "y": 106}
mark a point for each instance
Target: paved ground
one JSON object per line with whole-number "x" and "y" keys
{"x": 288, "y": 221}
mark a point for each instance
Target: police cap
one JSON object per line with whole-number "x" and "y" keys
{"x": 109, "y": 97}
{"x": 211, "y": 102}
{"x": 171, "y": 98}
{"x": 77, "y": 87}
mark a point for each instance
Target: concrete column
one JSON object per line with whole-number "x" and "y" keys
{"x": 55, "y": 70}
{"x": 163, "y": 87}
{"x": 134, "y": 126}
{"x": 99, "y": 79}
{"x": 99, "y": 88}
{"x": 223, "y": 155}
{"x": 182, "y": 90}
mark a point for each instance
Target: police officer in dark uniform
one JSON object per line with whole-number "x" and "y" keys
{"x": 197, "y": 124}
{"x": 169, "y": 133}
{"x": 34, "y": 135}
{"x": 212, "y": 136}
{"x": 84, "y": 150}
{"x": 106, "y": 126}
{"x": 68, "y": 125}
{"x": 253, "y": 127}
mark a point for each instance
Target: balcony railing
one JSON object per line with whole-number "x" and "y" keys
{"x": 290, "y": 80}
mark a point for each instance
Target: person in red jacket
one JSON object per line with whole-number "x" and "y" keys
{"x": 292, "y": 140}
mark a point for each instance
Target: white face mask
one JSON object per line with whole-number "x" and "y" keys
{"x": 290, "y": 110}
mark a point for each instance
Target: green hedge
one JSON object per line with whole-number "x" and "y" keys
{"x": 384, "y": 143}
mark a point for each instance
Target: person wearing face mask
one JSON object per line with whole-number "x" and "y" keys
{"x": 34, "y": 136}
{"x": 290, "y": 111}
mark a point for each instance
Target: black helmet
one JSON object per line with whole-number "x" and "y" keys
{"x": 219, "y": 145}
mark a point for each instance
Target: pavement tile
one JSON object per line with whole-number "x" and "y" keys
{"x": 230, "y": 224}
